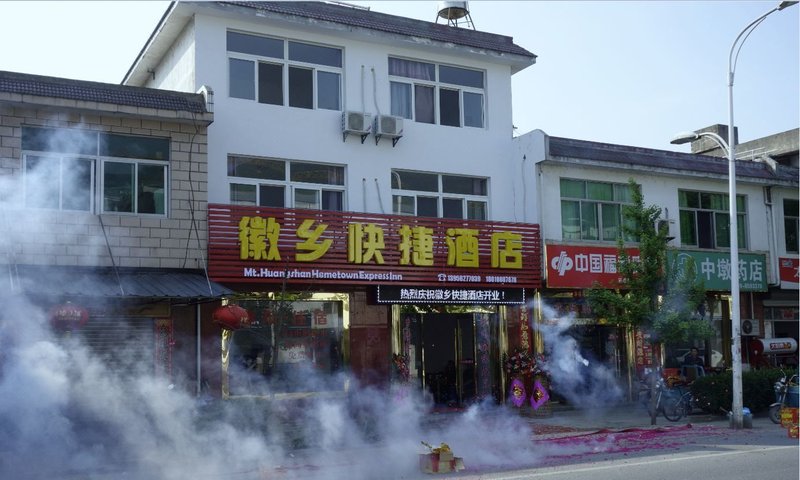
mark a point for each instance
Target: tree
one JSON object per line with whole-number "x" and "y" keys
{"x": 653, "y": 294}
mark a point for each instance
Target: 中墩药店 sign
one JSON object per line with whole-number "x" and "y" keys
{"x": 273, "y": 245}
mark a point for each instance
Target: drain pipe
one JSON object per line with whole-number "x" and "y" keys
{"x": 199, "y": 386}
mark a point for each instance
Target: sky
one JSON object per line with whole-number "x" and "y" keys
{"x": 626, "y": 72}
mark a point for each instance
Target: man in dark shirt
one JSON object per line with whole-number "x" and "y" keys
{"x": 693, "y": 358}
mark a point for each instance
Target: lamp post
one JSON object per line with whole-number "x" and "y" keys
{"x": 730, "y": 149}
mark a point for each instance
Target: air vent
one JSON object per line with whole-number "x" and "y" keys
{"x": 357, "y": 123}
{"x": 388, "y": 126}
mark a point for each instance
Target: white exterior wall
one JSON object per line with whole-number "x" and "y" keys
{"x": 247, "y": 127}
{"x": 176, "y": 69}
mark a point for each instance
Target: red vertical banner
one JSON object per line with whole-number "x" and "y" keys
{"x": 644, "y": 352}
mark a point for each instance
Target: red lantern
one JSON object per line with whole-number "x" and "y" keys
{"x": 232, "y": 317}
{"x": 68, "y": 317}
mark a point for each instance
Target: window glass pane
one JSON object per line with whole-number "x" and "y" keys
{"x": 705, "y": 229}
{"x": 611, "y": 222}
{"x": 61, "y": 140}
{"x": 333, "y": 200}
{"x": 42, "y": 182}
{"x": 243, "y": 194}
{"x": 623, "y": 193}
{"x": 599, "y": 191}
{"x": 473, "y": 110}
{"x": 570, "y": 219}
{"x": 464, "y": 185}
{"x": 256, "y": 168}
{"x": 741, "y": 231}
{"x": 118, "y": 186}
{"x": 589, "y": 227}
{"x": 127, "y": 146}
{"x": 423, "y": 104}
{"x": 411, "y": 69}
{"x": 271, "y": 196}
{"x": 76, "y": 184}
{"x": 301, "y": 87}
{"x": 402, "y": 205}
{"x": 150, "y": 197}
{"x": 791, "y": 207}
{"x": 476, "y": 210}
{"x": 452, "y": 208}
{"x": 427, "y": 207}
{"x": 401, "y": 99}
{"x": 688, "y": 199}
{"x": 449, "y": 112}
{"x": 270, "y": 83}
{"x": 317, "y": 173}
{"x": 741, "y": 205}
{"x": 790, "y": 227}
{"x": 242, "y": 79}
{"x": 255, "y": 45}
{"x": 328, "y": 91}
{"x": 722, "y": 235}
{"x": 304, "y": 198}
{"x": 572, "y": 188}
{"x": 688, "y": 228}
{"x": 424, "y": 182}
{"x": 304, "y": 52}
{"x": 460, "y": 76}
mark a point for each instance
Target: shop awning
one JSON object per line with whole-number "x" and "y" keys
{"x": 109, "y": 282}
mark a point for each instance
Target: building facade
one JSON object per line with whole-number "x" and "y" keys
{"x": 104, "y": 217}
{"x": 363, "y": 199}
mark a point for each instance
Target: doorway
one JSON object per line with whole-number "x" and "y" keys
{"x": 448, "y": 355}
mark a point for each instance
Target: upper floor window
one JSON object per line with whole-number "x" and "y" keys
{"x": 791, "y": 219}
{"x": 433, "y": 93}
{"x": 271, "y": 182}
{"x": 593, "y": 210}
{"x": 284, "y": 72}
{"x": 439, "y": 195}
{"x": 70, "y": 169}
{"x": 705, "y": 219}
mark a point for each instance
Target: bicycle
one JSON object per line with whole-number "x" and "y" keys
{"x": 668, "y": 401}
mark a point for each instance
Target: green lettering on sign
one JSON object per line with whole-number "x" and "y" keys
{"x": 714, "y": 269}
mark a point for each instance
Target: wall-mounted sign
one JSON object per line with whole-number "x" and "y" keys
{"x": 714, "y": 269}
{"x": 273, "y": 245}
{"x": 471, "y": 296}
{"x": 581, "y": 266}
{"x": 789, "y": 269}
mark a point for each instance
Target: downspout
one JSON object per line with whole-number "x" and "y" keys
{"x": 772, "y": 237}
{"x": 199, "y": 382}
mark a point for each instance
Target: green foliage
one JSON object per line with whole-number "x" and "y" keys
{"x": 714, "y": 392}
{"x": 652, "y": 294}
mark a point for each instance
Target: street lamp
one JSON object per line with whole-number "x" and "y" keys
{"x": 730, "y": 149}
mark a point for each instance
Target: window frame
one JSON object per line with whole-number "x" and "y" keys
{"x": 583, "y": 205}
{"x": 290, "y": 187}
{"x": 791, "y": 225}
{"x": 288, "y": 65}
{"x": 61, "y": 158}
{"x": 694, "y": 220}
{"x": 403, "y": 197}
{"x": 136, "y": 185}
{"x": 438, "y": 86}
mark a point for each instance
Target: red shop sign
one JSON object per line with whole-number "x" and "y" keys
{"x": 581, "y": 266}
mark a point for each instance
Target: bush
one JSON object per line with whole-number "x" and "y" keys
{"x": 714, "y": 393}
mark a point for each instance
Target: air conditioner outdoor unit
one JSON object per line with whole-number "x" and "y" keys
{"x": 389, "y": 126}
{"x": 356, "y": 122}
{"x": 750, "y": 327}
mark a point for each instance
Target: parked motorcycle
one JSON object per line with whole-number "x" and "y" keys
{"x": 781, "y": 393}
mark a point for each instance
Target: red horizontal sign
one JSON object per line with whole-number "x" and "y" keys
{"x": 789, "y": 269}
{"x": 273, "y": 245}
{"x": 581, "y": 266}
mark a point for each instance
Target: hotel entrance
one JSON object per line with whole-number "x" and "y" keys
{"x": 448, "y": 358}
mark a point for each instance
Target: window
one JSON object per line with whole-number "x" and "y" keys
{"x": 705, "y": 219}
{"x": 593, "y": 210}
{"x": 60, "y": 171}
{"x": 284, "y": 72}
{"x": 438, "y": 195}
{"x": 416, "y": 92}
{"x": 270, "y": 182}
{"x": 791, "y": 219}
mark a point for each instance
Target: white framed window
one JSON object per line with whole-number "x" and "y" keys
{"x": 81, "y": 170}
{"x": 433, "y": 93}
{"x": 791, "y": 224}
{"x": 269, "y": 182}
{"x": 439, "y": 195}
{"x": 284, "y": 72}
{"x": 705, "y": 220}
{"x": 593, "y": 210}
